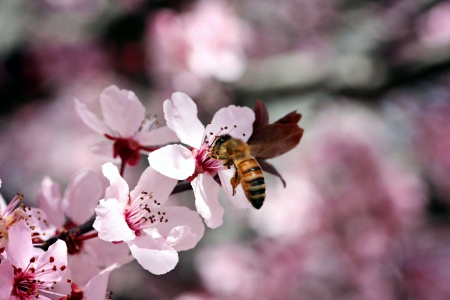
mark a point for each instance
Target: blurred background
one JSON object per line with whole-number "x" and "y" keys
{"x": 366, "y": 210}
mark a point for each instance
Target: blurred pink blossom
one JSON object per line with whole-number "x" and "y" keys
{"x": 190, "y": 48}
{"x": 432, "y": 145}
{"x": 434, "y": 26}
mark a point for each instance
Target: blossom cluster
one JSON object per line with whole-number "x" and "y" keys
{"x": 67, "y": 247}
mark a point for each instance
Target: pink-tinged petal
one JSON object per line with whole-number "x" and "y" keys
{"x": 181, "y": 117}
{"x": 56, "y": 255}
{"x": 3, "y": 204}
{"x": 40, "y": 222}
{"x": 118, "y": 188}
{"x": 110, "y": 222}
{"x": 82, "y": 196}
{"x": 206, "y": 191}
{"x": 122, "y": 110}
{"x": 83, "y": 267}
{"x": 90, "y": 119}
{"x": 154, "y": 256}
{"x": 242, "y": 117}
{"x": 174, "y": 161}
{"x": 183, "y": 230}
{"x": 239, "y": 199}
{"x": 105, "y": 253}
{"x": 104, "y": 149}
{"x": 50, "y": 202}
{"x": 160, "y": 136}
{"x": 19, "y": 248}
{"x": 152, "y": 181}
{"x": 96, "y": 288}
{"x": 6, "y": 279}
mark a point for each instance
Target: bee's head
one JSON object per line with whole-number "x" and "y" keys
{"x": 219, "y": 140}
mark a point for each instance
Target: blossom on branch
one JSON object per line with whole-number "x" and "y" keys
{"x": 194, "y": 163}
{"x": 26, "y": 276}
{"x": 153, "y": 232}
{"x": 62, "y": 213}
{"x": 126, "y": 124}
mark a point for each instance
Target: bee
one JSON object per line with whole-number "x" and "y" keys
{"x": 235, "y": 152}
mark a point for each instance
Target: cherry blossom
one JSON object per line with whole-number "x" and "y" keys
{"x": 66, "y": 212}
{"x": 195, "y": 163}
{"x": 153, "y": 232}
{"x": 126, "y": 124}
{"x": 9, "y": 216}
{"x": 24, "y": 275}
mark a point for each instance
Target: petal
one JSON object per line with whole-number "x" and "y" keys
{"x": 19, "y": 248}
{"x": 3, "y": 204}
{"x": 90, "y": 119}
{"x": 82, "y": 267}
{"x": 152, "y": 181}
{"x": 122, "y": 110}
{"x": 174, "y": 161}
{"x": 50, "y": 202}
{"x": 57, "y": 255}
{"x": 6, "y": 279}
{"x": 239, "y": 199}
{"x": 96, "y": 288}
{"x": 105, "y": 253}
{"x": 160, "y": 136}
{"x": 183, "y": 230}
{"x": 110, "y": 222}
{"x": 104, "y": 149}
{"x": 154, "y": 256}
{"x": 228, "y": 117}
{"x": 181, "y": 117}
{"x": 206, "y": 191}
{"x": 39, "y": 220}
{"x": 82, "y": 196}
{"x": 118, "y": 188}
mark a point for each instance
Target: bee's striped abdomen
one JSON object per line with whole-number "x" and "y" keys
{"x": 252, "y": 180}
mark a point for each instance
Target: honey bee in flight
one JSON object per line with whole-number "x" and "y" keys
{"x": 235, "y": 152}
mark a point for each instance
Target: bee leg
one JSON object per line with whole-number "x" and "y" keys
{"x": 234, "y": 182}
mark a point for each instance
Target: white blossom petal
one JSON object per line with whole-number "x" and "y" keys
{"x": 183, "y": 230}
{"x": 206, "y": 191}
{"x": 242, "y": 117}
{"x": 82, "y": 196}
{"x": 110, "y": 222}
{"x": 160, "y": 136}
{"x": 122, "y": 110}
{"x": 19, "y": 248}
{"x": 181, "y": 117}
{"x": 104, "y": 149}
{"x": 96, "y": 287}
{"x": 174, "y": 161}
{"x": 154, "y": 256}
{"x": 6, "y": 280}
{"x": 118, "y": 188}
{"x": 50, "y": 202}
{"x": 91, "y": 120}
{"x": 239, "y": 199}
{"x": 152, "y": 181}
{"x": 58, "y": 254}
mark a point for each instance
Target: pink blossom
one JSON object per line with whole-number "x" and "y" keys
{"x": 9, "y": 215}
{"x": 194, "y": 163}
{"x": 126, "y": 124}
{"x": 75, "y": 208}
{"x": 25, "y": 275}
{"x": 203, "y": 43}
{"x": 153, "y": 232}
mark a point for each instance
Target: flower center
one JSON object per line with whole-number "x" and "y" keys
{"x": 144, "y": 212}
{"x": 24, "y": 285}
